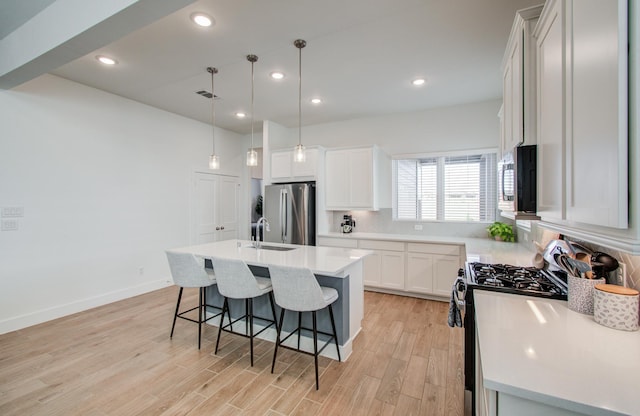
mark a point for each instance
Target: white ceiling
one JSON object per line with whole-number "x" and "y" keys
{"x": 360, "y": 58}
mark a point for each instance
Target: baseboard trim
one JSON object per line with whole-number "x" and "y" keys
{"x": 44, "y": 315}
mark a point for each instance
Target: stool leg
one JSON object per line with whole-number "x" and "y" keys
{"x": 250, "y": 303}
{"x": 199, "y": 316}
{"x": 299, "y": 327}
{"x": 279, "y": 330}
{"x": 315, "y": 347}
{"x": 273, "y": 310}
{"x": 335, "y": 335}
{"x": 175, "y": 315}
{"x": 225, "y": 307}
{"x": 246, "y": 316}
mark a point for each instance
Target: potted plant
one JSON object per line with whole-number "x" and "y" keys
{"x": 501, "y": 231}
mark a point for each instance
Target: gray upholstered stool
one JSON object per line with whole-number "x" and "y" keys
{"x": 296, "y": 289}
{"x": 188, "y": 271}
{"x": 236, "y": 281}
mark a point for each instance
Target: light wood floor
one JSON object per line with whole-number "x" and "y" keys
{"x": 118, "y": 360}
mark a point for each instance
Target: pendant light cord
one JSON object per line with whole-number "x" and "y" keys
{"x": 299, "y": 96}
{"x": 213, "y": 110}
{"x": 299, "y": 43}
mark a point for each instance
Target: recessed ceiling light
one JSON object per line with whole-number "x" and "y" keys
{"x": 277, "y": 75}
{"x": 106, "y": 60}
{"x": 202, "y": 19}
{"x": 240, "y": 115}
{"x": 316, "y": 100}
{"x": 418, "y": 81}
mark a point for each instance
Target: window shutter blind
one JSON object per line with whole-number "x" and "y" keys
{"x": 447, "y": 188}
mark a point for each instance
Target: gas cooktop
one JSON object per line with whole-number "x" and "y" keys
{"x": 515, "y": 279}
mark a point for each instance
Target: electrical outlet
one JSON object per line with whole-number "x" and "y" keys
{"x": 417, "y": 227}
{"x": 621, "y": 272}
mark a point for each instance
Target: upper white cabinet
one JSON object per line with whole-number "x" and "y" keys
{"x": 284, "y": 169}
{"x": 518, "y": 82}
{"x": 357, "y": 179}
{"x": 582, "y": 113}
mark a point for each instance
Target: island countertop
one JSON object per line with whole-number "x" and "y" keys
{"x": 328, "y": 261}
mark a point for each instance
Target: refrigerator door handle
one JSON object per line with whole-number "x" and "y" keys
{"x": 286, "y": 216}
{"x": 281, "y": 211}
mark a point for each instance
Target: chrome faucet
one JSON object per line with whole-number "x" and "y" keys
{"x": 256, "y": 243}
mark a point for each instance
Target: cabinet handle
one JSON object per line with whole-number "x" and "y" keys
{"x": 217, "y": 228}
{"x": 222, "y": 228}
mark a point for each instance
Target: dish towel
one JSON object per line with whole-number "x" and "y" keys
{"x": 455, "y": 318}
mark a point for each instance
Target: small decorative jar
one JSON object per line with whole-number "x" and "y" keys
{"x": 580, "y": 295}
{"x": 616, "y": 307}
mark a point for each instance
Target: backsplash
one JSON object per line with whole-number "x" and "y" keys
{"x": 632, "y": 262}
{"x": 382, "y": 222}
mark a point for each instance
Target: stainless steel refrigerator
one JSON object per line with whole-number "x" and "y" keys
{"x": 290, "y": 209}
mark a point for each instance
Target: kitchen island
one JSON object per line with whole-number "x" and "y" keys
{"x": 334, "y": 267}
{"x": 536, "y": 356}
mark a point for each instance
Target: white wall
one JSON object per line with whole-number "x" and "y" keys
{"x": 104, "y": 182}
{"x": 461, "y": 127}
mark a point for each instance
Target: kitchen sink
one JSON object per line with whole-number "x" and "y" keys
{"x": 274, "y": 248}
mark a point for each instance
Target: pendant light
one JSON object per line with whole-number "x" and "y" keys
{"x": 214, "y": 161}
{"x": 252, "y": 155}
{"x": 299, "y": 154}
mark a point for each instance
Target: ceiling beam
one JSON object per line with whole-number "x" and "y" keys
{"x": 70, "y": 29}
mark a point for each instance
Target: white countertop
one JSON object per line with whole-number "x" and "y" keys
{"x": 478, "y": 249}
{"x": 321, "y": 260}
{"x": 540, "y": 350}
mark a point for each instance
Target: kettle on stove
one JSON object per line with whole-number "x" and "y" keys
{"x": 347, "y": 225}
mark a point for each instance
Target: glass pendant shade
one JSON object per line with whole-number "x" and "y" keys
{"x": 214, "y": 162}
{"x": 299, "y": 154}
{"x": 252, "y": 158}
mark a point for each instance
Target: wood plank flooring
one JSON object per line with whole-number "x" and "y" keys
{"x": 118, "y": 360}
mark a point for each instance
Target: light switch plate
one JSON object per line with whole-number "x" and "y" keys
{"x": 9, "y": 225}
{"x": 12, "y": 212}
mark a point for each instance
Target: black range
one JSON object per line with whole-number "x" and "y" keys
{"x": 504, "y": 278}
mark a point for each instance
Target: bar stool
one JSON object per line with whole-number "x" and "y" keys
{"x": 236, "y": 281}
{"x": 188, "y": 271}
{"x": 296, "y": 289}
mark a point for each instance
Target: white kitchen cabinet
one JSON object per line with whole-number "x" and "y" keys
{"x": 284, "y": 169}
{"x": 432, "y": 268}
{"x": 551, "y": 150}
{"x": 518, "y": 82}
{"x": 582, "y": 113}
{"x": 597, "y": 113}
{"x": 406, "y": 267}
{"x": 385, "y": 267}
{"x": 357, "y": 179}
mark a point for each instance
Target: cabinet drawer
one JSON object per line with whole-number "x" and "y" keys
{"x": 337, "y": 242}
{"x": 381, "y": 245}
{"x": 448, "y": 249}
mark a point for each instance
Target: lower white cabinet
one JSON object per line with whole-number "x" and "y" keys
{"x": 432, "y": 268}
{"x": 384, "y": 268}
{"x": 419, "y": 268}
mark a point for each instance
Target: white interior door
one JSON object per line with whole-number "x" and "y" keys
{"x": 204, "y": 208}
{"x": 228, "y": 207}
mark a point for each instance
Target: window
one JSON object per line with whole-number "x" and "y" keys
{"x": 446, "y": 188}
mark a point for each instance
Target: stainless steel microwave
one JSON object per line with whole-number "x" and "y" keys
{"x": 517, "y": 180}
